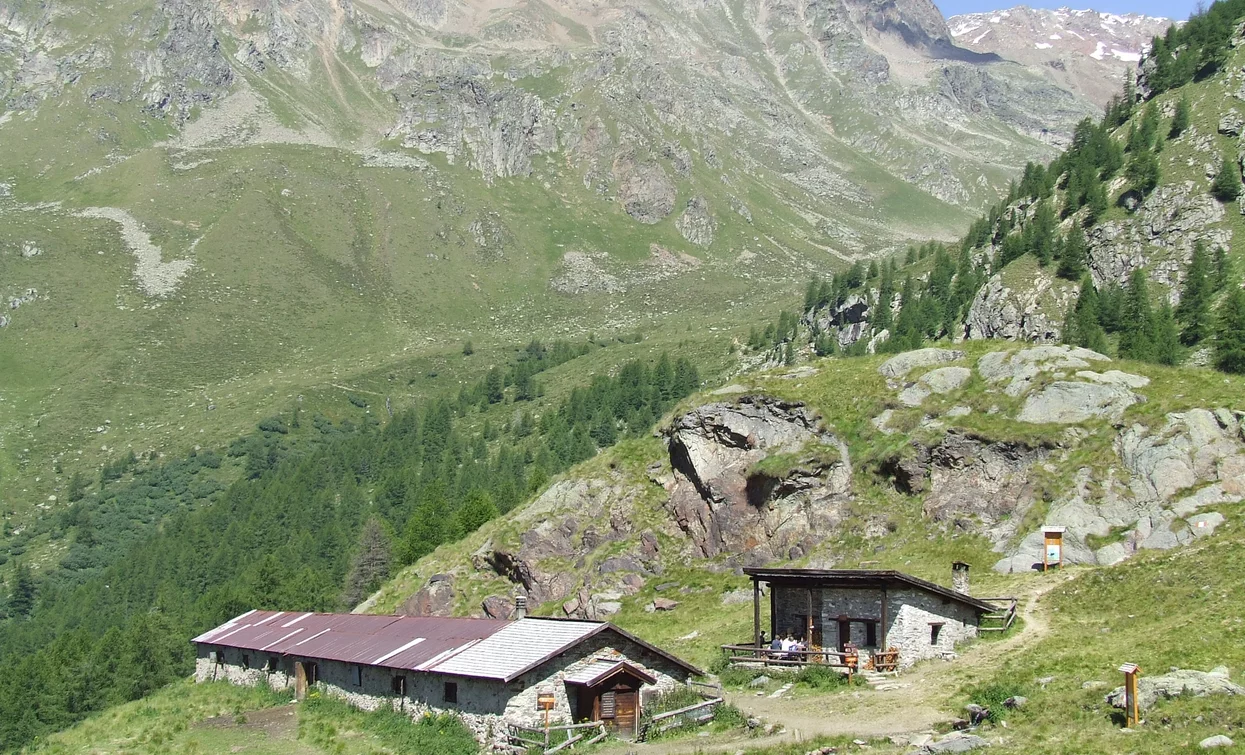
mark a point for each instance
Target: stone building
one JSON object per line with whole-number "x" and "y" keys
{"x": 873, "y": 610}
{"x": 488, "y": 672}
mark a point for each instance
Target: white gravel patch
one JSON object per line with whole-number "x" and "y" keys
{"x": 155, "y": 277}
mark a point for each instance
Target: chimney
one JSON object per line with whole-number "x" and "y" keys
{"x": 520, "y": 606}
{"x": 959, "y": 577}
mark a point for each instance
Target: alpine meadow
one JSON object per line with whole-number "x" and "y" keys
{"x": 637, "y": 376}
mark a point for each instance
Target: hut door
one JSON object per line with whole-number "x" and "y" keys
{"x": 625, "y": 718}
{"x": 304, "y": 678}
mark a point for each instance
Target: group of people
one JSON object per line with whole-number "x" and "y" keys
{"x": 786, "y": 647}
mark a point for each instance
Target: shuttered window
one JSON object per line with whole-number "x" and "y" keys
{"x": 607, "y": 705}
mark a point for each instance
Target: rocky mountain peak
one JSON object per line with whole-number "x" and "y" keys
{"x": 1086, "y": 51}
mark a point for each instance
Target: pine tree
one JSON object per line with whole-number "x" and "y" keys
{"x": 476, "y": 510}
{"x": 873, "y": 269}
{"x": 21, "y": 591}
{"x": 882, "y": 316}
{"x": 1096, "y": 201}
{"x": 468, "y": 349}
{"x": 1193, "y": 312}
{"x": 1223, "y": 268}
{"x": 1227, "y": 184}
{"x": 1143, "y": 171}
{"x": 1137, "y": 334}
{"x": 1230, "y": 341}
{"x": 370, "y": 565}
{"x": 1166, "y": 336}
{"x": 1180, "y": 121}
{"x": 788, "y": 354}
{"x": 810, "y": 295}
{"x": 494, "y": 386}
{"x": 1075, "y": 251}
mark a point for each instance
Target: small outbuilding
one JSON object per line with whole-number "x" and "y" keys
{"x": 491, "y": 673}
{"x": 872, "y": 610}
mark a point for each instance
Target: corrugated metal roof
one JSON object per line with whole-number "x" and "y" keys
{"x": 485, "y": 648}
{"x": 518, "y": 647}
{"x": 400, "y": 642}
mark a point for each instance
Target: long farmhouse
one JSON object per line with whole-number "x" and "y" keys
{"x": 489, "y": 672}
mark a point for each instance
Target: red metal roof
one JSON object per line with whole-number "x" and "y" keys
{"x": 400, "y": 642}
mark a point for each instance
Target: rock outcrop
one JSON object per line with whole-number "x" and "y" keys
{"x": 725, "y": 505}
{"x": 1180, "y": 682}
{"x": 1031, "y": 312}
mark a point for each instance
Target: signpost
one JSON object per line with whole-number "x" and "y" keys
{"x": 1132, "y": 712}
{"x": 1052, "y": 554}
{"x": 545, "y": 701}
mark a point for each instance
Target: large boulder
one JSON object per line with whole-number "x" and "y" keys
{"x": 900, "y": 365}
{"x": 726, "y": 506}
{"x": 435, "y": 598}
{"x": 1066, "y": 402}
{"x": 1152, "y": 689}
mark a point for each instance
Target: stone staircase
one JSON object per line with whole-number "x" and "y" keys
{"x": 879, "y": 681}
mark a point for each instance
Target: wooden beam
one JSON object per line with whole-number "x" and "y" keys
{"x": 885, "y": 600}
{"x": 808, "y": 623}
{"x": 756, "y": 612}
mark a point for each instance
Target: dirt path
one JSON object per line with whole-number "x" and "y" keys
{"x": 918, "y": 704}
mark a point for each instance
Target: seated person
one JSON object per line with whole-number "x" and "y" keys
{"x": 776, "y": 646}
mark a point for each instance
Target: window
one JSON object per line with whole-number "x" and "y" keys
{"x": 935, "y": 631}
{"x": 607, "y": 705}
{"x": 451, "y": 692}
{"x": 246, "y": 661}
{"x": 871, "y": 634}
{"x": 215, "y": 657}
{"x": 356, "y": 676}
{"x": 272, "y": 664}
{"x": 399, "y": 686}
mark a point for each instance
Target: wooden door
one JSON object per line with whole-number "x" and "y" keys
{"x": 304, "y": 678}
{"x": 626, "y": 712}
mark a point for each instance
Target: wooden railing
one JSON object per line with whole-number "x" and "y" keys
{"x": 556, "y": 738}
{"x": 770, "y": 657}
{"x": 692, "y": 714}
{"x": 1005, "y": 616}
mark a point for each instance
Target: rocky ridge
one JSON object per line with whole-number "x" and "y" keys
{"x": 758, "y": 479}
{"x": 1084, "y": 50}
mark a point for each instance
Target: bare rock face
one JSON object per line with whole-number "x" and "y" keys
{"x": 726, "y": 507}
{"x": 435, "y": 598}
{"x": 497, "y": 607}
{"x": 979, "y": 485}
{"x": 847, "y": 321}
{"x": 696, "y": 224}
{"x": 1033, "y": 312}
{"x": 644, "y": 189}
{"x": 1170, "y": 221}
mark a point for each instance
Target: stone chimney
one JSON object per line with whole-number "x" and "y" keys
{"x": 959, "y": 577}
{"x": 520, "y": 605}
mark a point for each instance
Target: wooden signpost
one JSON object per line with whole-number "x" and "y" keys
{"x": 545, "y": 701}
{"x": 1052, "y": 553}
{"x": 1132, "y": 712}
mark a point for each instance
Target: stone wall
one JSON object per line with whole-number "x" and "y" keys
{"x": 484, "y": 705}
{"x": 910, "y": 614}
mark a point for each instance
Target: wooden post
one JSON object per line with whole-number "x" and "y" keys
{"x": 1132, "y": 708}
{"x": 882, "y": 634}
{"x": 808, "y": 624}
{"x": 756, "y": 614}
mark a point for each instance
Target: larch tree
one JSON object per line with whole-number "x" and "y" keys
{"x": 1230, "y": 341}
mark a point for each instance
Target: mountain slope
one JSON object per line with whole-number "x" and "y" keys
{"x": 1082, "y": 50}
{"x": 231, "y": 204}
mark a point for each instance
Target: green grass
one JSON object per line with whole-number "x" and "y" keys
{"x": 1160, "y": 609}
